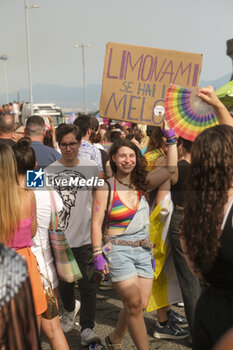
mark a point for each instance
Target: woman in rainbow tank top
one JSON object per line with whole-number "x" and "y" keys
{"x": 127, "y": 252}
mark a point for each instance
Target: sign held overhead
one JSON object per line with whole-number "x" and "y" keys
{"x": 135, "y": 80}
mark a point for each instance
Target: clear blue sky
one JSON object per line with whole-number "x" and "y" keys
{"x": 200, "y": 26}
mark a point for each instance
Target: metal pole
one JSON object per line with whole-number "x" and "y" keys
{"x": 4, "y": 58}
{"x": 84, "y": 78}
{"x": 6, "y": 83}
{"x": 84, "y": 82}
{"x": 29, "y": 58}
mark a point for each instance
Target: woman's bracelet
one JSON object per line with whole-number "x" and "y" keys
{"x": 97, "y": 252}
{"x": 171, "y": 143}
{"x": 96, "y": 246}
{"x": 171, "y": 139}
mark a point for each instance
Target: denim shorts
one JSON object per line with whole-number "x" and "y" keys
{"x": 126, "y": 262}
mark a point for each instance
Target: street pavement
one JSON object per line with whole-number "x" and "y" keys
{"x": 107, "y": 310}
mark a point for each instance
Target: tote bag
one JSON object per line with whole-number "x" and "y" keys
{"x": 66, "y": 264}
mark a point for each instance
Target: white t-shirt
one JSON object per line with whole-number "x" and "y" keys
{"x": 98, "y": 145}
{"x": 76, "y": 194}
{"x": 43, "y": 204}
{"x": 91, "y": 152}
{"x": 43, "y": 211}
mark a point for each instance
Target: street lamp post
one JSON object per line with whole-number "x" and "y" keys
{"x": 4, "y": 58}
{"x": 28, "y": 52}
{"x": 84, "y": 80}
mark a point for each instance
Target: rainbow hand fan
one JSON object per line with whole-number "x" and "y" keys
{"x": 186, "y": 113}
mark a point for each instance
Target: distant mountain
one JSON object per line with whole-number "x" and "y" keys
{"x": 217, "y": 83}
{"x": 67, "y": 96}
{"x": 72, "y": 97}
{"x": 64, "y": 97}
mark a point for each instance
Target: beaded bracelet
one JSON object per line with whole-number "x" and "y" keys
{"x": 98, "y": 252}
{"x": 171, "y": 140}
{"x": 171, "y": 143}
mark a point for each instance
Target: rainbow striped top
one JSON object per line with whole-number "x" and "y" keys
{"x": 120, "y": 214}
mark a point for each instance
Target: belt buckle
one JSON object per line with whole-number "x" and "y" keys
{"x": 142, "y": 242}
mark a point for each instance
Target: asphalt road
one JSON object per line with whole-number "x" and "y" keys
{"x": 108, "y": 307}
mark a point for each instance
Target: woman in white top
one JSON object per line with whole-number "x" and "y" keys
{"x": 43, "y": 202}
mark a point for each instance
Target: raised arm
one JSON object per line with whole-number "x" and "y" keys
{"x": 208, "y": 95}
{"x": 160, "y": 174}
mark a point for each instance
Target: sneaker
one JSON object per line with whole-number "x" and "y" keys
{"x": 177, "y": 319}
{"x": 105, "y": 285}
{"x": 88, "y": 336}
{"x": 68, "y": 318}
{"x": 170, "y": 331}
{"x": 96, "y": 346}
{"x": 180, "y": 304}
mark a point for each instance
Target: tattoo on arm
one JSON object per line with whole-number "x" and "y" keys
{"x": 97, "y": 205}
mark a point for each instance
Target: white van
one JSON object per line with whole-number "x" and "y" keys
{"x": 41, "y": 109}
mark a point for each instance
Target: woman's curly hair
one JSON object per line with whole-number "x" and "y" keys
{"x": 210, "y": 177}
{"x": 139, "y": 173}
{"x": 156, "y": 139}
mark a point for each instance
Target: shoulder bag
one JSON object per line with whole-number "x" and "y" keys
{"x": 52, "y": 310}
{"x": 105, "y": 220}
{"x": 66, "y": 264}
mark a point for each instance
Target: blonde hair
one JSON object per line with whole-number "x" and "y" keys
{"x": 10, "y": 202}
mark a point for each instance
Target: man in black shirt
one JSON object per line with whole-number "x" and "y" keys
{"x": 7, "y": 126}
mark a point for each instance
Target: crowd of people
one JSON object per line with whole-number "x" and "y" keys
{"x": 109, "y": 227}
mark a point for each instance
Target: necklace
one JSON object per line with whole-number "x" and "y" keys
{"x": 130, "y": 186}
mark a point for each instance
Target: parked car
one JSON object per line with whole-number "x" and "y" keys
{"x": 40, "y": 109}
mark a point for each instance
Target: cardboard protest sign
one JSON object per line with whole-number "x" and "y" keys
{"x": 135, "y": 80}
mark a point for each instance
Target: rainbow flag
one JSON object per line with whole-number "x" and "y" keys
{"x": 165, "y": 289}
